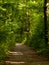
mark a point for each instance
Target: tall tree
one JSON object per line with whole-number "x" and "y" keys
{"x": 45, "y": 21}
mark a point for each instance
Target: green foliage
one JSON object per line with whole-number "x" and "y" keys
{"x": 7, "y": 28}
{"x": 22, "y": 21}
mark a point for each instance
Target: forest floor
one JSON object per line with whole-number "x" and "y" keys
{"x": 24, "y": 55}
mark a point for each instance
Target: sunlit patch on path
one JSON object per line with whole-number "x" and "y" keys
{"x": 24, "y": 55}
{"x": 11, "y": 62}
{"x": 15, "y": 53}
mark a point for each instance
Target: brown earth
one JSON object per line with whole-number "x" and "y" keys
{"x": 24, "y": 55}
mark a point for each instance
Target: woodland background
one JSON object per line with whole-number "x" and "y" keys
{"x": 22, "y": 21}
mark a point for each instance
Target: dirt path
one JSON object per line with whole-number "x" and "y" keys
{"x": 24, "y": 55}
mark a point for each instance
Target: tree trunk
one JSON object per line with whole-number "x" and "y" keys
{"x": 45, "y": 23}
{"x": 28, "y": 28}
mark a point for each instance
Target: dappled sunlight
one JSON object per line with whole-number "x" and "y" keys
{"x": 22, "y": 57}
{"x": 11, "y": 62}
{"x": 18, "y": 44}
{"x": 24, "y": 32}
{"x": 16, "y": 53}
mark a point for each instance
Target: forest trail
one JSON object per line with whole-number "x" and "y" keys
{"x": 24, "y": 55}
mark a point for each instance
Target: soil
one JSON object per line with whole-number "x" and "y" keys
{"x": 25, "y": 55}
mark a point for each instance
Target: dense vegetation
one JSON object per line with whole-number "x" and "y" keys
{"x": 22, "y": 21}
